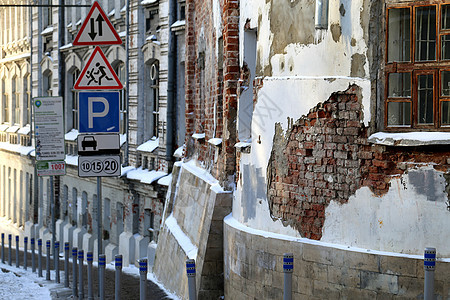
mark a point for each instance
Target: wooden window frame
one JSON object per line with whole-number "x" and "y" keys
{"x": 415, "y": 68}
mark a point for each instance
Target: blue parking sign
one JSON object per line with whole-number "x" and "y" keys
{"x": 98, "y": 112}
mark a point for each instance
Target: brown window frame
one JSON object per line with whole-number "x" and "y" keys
{"x": 416, "y": 68}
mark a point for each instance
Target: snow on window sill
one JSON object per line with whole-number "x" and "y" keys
{"x": 410, "y": 139}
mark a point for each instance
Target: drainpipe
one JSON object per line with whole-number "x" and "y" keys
{"x": 171, "y": 86}
{"x": 127, "y": 90}
{"x": 321, "y": 16}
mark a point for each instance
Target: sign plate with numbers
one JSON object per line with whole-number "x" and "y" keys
{"x": 99, "y": 166}
{"x": 51, "y": 168}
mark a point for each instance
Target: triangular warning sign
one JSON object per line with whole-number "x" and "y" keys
{"x": 97, "y": 29}
{"x": 98, "y": 74}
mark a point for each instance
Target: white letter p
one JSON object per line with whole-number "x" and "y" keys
{"x": 92, "y": 114}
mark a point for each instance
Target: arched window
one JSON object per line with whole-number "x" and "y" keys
{"x": 47, "y": 84}
{"x": 26, "y": 96}
{"x": 5, "y": 102}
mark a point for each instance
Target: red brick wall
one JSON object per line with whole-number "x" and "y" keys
{"x": 325, "y": 156}
{"x": 231, "y": 77}
{"x": 211, "y": 100}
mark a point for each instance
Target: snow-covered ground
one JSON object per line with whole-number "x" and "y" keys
{"x": 20, "y": 284}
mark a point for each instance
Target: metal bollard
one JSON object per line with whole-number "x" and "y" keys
{"x": 47, "y": 274}
{"x": 90, "y": 259}
{"x": 66, "y": 264}
{"x": 33, "y": 265}
{"x": 288, "y": 268}
{"x": 25, "y": 252}
{"x": 3, "y": 248}
{"x": 40, "y": 257}
{"x": 190, "y": 270}
{"x": 429, "y": 263}
{"x": 17, "y": 252}
{"x": 143, "y": 279}
{"x": 56, "y": 262}
{"x": 80, "y": 274}
{"x": 118, "y": 260}
{"x": 9, "y": 249}
{"x": 101, "y": 266}
{"x": 74, "y": 272}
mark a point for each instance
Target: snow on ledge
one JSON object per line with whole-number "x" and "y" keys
{"x": 149, "y": 146}
{"x": 232, "y": 222}
{"x": 198, "y": 136}
{"x": 410, "y": 138}
{"x": 203, "y": 174}
{"x": 215, "y": 141}
{"x": 183, "y": 240}
{"x": 166, "y": 180}
{"x": 71, "y": 135}
{"x": 179, "y": 152}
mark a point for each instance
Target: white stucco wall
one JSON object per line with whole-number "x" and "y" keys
{"x": 412, "y": 215}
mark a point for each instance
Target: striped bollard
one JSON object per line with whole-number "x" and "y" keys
{"x": 33, "y": 263}
{"x": 429, "y": 263}
{"x": 102, "y": 266}
{"x": 118, "y": 264}
{"x": 143, "y": 279}
{"x": 3, "y": 248}
{"x": 80, "y": 274}
{"x": 90, "y": 260}
{"x": 66, "y": 264}
{"x": 56, "y": 257}
{"x": 190, "y": 270}
{"x": 74, "y": 272}
{"x": 17, "y": 252}
{"x": 288, "y": 268}
{"x": 48, "y": 244}
{"x": 25, "y": 252}
{"x": 9, "y": 249}
{"x": 40, "y": 257}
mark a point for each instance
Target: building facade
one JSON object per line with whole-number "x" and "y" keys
{"x": 39, "y": 60}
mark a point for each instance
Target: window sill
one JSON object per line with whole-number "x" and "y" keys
{"x": 410, "y": 139}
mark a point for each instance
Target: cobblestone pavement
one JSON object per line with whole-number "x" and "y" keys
{"x": 129, "y": 283}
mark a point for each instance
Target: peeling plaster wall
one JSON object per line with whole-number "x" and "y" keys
{"x": 412, "y": 215}
{"x": 279, "y": 100}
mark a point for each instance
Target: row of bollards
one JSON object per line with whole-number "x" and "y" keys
{"x": 77, "y": 267}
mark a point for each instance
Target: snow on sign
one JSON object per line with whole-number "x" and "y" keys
{"x": 98, "y": 74}
{"x": 97, "y": 29}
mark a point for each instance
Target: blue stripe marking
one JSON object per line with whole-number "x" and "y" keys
{"x": 429, "y": 263}
{"x": 430, "y": 255}
{"x": 288, "y": 267}
{"x": 40, "y": 242}
{"x": 190, "y": 265}
{"x": 190, "y": 271}
{"x": 288, "y": 259}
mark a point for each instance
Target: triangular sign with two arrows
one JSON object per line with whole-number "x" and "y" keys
{"x": 98, "y": 74}
{"x": 97, "y": 29}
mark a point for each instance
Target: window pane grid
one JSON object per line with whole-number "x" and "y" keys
{"x": 425, "y": 33}
{"x": 425, "y": 99}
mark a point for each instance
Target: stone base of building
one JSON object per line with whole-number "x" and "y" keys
{"x": 254, "y": 269}
{"x": 193, "y": 229}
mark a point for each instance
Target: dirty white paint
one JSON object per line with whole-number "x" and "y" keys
{"x": 405, "y": 220}
{"x": 278, "y": 100}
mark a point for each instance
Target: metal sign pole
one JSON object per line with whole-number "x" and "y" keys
{"x": 52, "y": 203}
{"x": 99, "y": 215}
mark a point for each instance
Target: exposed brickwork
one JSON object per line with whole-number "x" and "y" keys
{"x": 231, "y": 75}
{"x": 325, "y": 156}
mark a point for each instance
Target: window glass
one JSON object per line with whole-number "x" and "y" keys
{"x": 399, "y": 114}
{"x": 445, "y": 47}
{"x": 445, "y": 113}
{"x": 399, "y": 85}
{"x": 425, "y": 33}
{"x": 445, "y": 83}
{"x": 445, "y": 17}
{"x": 399, "y": 43}
{"x": 425, "y": 98}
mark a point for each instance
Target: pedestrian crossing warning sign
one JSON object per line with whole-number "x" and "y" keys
{"x": 97, "y": 29}
{"x": 98, "y": 74}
